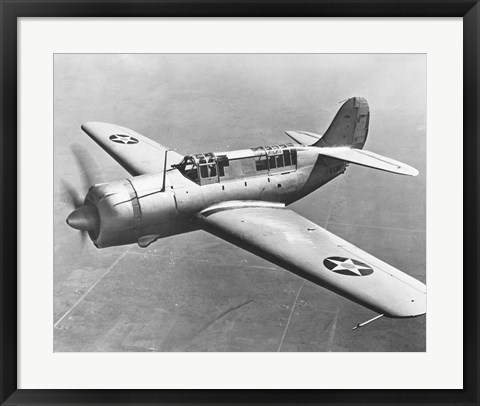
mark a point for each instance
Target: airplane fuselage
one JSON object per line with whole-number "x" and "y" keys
{"x": 140, "y": 210}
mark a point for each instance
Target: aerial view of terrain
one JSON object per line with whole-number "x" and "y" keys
{"x": 196, "y": 292}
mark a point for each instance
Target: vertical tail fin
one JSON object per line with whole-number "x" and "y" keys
{"x": 349, "y": 127}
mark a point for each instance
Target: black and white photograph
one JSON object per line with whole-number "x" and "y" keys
{"x": 239, "y": 202}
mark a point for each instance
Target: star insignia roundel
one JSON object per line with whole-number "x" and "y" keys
{"x": 347, "y": 266}
{"x": 123, "y": 139}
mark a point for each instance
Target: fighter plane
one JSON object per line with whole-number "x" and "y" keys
{"x": 242, "y": 197}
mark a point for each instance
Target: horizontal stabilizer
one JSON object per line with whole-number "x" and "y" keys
{"x": 303, "y": 137}
{"x": 367, "y": 158}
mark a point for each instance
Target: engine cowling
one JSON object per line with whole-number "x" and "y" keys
{"x": 128, "y": 211}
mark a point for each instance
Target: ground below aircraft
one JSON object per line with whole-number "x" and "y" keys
{"x": 241, "y": 197}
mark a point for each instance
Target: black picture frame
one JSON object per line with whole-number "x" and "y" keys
{"x": 10, "y": 10}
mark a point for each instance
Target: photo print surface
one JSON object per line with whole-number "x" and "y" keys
{"x": 239, "y": 202}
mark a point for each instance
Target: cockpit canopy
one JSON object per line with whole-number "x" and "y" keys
{"x": 204, "y": 166}
{"x": 213, "y": 168}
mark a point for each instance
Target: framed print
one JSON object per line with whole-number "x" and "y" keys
{"x": 202, "y": 316}
{"x": 211, "y": 196}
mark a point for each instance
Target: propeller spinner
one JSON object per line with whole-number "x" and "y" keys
{"x": 84, "y": 218}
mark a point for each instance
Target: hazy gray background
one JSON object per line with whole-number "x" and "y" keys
{"x": 195, "y": 292}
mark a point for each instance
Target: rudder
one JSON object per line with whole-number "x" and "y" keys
{"x": 349, "y": 127}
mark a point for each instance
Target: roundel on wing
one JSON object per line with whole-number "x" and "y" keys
{"x": 347, "y": 266}
{"x": 123, "y": 139}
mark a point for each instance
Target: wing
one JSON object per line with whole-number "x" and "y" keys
{"x": 306, "y": 249}
{"x": 137, "y": 154}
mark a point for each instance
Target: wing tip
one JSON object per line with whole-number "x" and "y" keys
{"x": 408, "y": 171}
{"x": 89, "y": 126}
{"x": 412, "y": 308}
{"x": 85, "y": 126}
